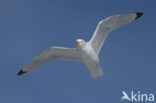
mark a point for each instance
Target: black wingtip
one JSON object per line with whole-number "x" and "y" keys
{"x": 21, "y": 72}
{"x": 139, "y": 14}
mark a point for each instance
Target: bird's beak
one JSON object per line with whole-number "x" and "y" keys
{"x": 77, "y": 42}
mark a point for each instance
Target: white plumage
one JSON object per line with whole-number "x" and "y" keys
{"x": 86, "y": 52}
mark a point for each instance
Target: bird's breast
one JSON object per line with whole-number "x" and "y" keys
{"x": 88, "y": 54}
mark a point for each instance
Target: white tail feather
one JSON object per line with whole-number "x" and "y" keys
{"x": 97, "y": 72}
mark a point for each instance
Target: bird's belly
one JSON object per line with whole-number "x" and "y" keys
{"x": 90, "y": 59}
{"x": 89, "y": 56}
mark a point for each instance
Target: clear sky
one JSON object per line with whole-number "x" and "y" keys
{"x": 27, "y": 27}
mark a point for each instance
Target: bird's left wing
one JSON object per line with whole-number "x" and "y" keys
{"x": 109, "y": 24}
{"x": 51, "y": 54}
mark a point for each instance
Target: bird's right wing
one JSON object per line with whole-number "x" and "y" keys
{"x": 51, "y": 54}
{"x": 107, "y": 25}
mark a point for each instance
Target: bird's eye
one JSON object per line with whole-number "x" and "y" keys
{"x": 81, "y": 41}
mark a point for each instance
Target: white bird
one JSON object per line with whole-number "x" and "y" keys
{"x": 86, "y": 52}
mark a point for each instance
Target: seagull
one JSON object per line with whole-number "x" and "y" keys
{"x": 86, "y": 52}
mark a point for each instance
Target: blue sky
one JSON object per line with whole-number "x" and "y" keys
{"x": 127, "y": 58}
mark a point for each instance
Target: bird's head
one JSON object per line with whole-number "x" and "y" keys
{"x": 80, "y": 42}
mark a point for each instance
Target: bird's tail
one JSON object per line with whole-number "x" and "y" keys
{"x": 96, "y": 72}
